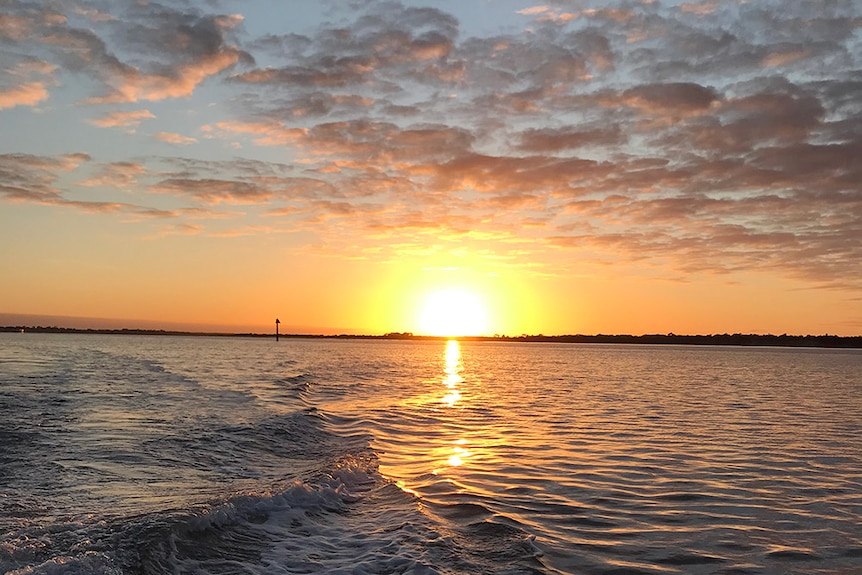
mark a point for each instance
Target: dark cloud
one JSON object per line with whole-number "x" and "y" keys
{"x": 34, "y": 179}
{"x": 174, "y": 34}
{"x": 677, "y": 99}
{"x": 213, "y": 192}
{"x": 30, "y": 178}
{"x": 386, "y": 40}
{"x": 555, "y": 140}
{"x": 171, "y": 52}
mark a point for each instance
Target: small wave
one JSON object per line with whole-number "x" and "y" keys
{"x": 624, "y": 570}
{"x": 461, "y": 512}
{"x": 685, "y": 496}
{"x": 300, "y": 382}
{"x": 683, "y": 559}
{"x": 236, "y": 536}
{"x": 587, "y": 522}
{"x": 787, "y": 554}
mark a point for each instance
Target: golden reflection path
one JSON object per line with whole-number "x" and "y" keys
{"x": 456, "y": 452}
{"x": 453, "y": 378}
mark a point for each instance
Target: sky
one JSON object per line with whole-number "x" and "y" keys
{"x": 567, "y": 167}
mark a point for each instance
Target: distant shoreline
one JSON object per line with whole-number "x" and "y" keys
{"x": 736, "y": 339}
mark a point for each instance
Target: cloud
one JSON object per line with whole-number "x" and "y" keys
{"x": 554, "y": 140}
{"x": 388, "y": 39}
{"x": 95, "y": 207}
{"x": 618, "y": 15}
{"x": 181, "y": 230}
{"x": 783, "y": 57}
{"x": 131, "y": 85}
{"x": 546, "y": 13}
{"x": 31, "y": 178}
{"x": 34, "y": 179}
{"x": 675, "y": 99}
{"x": 18, "y": 86}
{"x": 174, "y": 51}
{"x": 699, "y": 8}
{"x": 768, "y": 116}
{"x": 213, "y": 192}
{"x": 281, "y": 212}
{"x": 323, "y": 104}
{"x": 122, "y": 119}
{"x": 94, "y": 14}
{"x": 268, "y": 133}
{"x": 172, "y": 138}
{"x": 28, "y": 94}
{"x": 117, "y": 175}
{"x": 534, "y": 10}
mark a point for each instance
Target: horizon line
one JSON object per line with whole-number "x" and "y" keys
{"x": 85, "y": 323}
{"x": 741, "y": 339}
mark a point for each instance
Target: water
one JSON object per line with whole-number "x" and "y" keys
{"x": 152, "y": 455}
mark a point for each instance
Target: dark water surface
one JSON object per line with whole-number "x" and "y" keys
{"x": 158, "y": 454}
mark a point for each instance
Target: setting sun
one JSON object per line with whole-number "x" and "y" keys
{"x": 453, "y": 312}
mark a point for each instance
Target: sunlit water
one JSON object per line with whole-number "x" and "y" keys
{"x": 150, "y": 455}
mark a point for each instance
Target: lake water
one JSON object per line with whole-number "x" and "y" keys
{"x": 158, "y": 454}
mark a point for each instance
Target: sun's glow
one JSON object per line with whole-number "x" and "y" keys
{"x": 452, "y": 313}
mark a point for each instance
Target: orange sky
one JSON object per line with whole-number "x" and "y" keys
{"x": 633, "y": 168}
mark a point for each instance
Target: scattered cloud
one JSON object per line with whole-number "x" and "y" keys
{"x": 180, "y": 230}
{"x": 534, "y": 10}
{"x": 210, "y": 191}
{"x": 172, "y": 138}
{"x": 557, "y": 140}
{"x": 117, "y": 175}
{"x": 784, "y": 57}
{"x": 546, "y": 13}
{"x": 123, "y": 119}
{"x": 26, "y": 82}
{"x": 93, "y": 14}
{"x": 28, "y": 94}
{"x": 675, "y": 99}
{"x": 175, "y": 51}
{"x": 711, "y": 137}
{"x": 699, "y": 8}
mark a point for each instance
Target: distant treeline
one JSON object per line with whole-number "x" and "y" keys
{"x": 124, "y": 331}
{"x": 744, "y": 339}
{"x": 738, "y": 339}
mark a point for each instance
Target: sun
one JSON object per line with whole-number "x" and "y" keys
{"x": 452, "y": 313}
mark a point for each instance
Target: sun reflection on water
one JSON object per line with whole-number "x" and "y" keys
{"x": 455, "y": 453}
{"x": 459, "y": 453}
{"x": 453, "y": 377}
